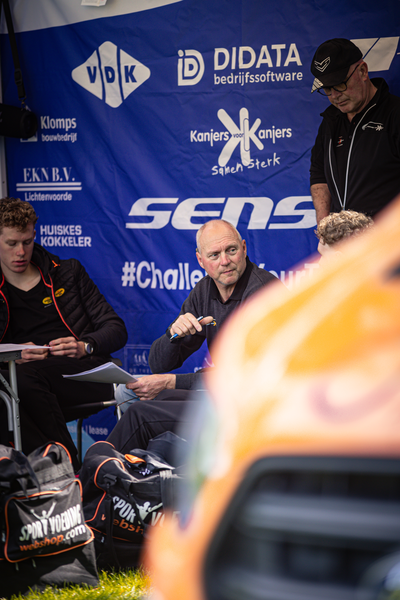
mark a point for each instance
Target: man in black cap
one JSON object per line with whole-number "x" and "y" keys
{"x": 355, "y": 162}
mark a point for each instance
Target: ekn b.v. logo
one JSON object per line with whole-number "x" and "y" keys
{"x": 111, "y": 74}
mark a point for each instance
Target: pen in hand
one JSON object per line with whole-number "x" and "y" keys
{"x": 213, "y": 322}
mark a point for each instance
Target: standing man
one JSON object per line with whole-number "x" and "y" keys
{"x": 231, "y": 279}
{"x": 50, "y": 302}
{"x": 355, "y": 162}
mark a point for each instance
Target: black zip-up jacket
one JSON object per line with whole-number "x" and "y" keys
{"x": 360, "y": 161}
{"x": 82, "y": 308}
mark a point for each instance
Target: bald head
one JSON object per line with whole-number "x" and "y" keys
{"x": 221, "y": 252}
{"x": 214, "y": 227}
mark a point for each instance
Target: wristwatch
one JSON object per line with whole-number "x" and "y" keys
{"x": 88, "y": 348}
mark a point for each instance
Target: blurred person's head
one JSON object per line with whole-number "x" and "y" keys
{"x": 336, "y": 227}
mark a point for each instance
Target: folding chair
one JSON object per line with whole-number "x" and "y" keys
{"x": 10, "y": 397}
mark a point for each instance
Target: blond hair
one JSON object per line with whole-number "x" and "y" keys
{"x": 338, "y": 226}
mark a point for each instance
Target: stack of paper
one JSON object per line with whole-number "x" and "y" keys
{"x": 107, "y": 373}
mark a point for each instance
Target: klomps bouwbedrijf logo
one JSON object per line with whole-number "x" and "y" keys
{"x": 111, "y": 74}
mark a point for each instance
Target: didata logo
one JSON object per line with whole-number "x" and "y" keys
{"x": 190, "y": 67}
{"x": 111, "y": 74}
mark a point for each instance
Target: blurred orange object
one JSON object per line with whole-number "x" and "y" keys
{"x": 297, "y": 496}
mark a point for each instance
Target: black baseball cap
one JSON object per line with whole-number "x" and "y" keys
{"x": 332, "y": 61}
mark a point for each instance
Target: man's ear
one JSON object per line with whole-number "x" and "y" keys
{"x": 364, "y": 70}
{"x": 199, "y": 259}
{"x": 244, "y": 247}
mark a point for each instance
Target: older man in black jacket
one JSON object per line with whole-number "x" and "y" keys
{"x": 355, "y": 162}
{"x": 230, "y": 281}
{"x": 50, "y": 302}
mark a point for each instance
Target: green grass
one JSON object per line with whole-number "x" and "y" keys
{"x": 127, "y": 585}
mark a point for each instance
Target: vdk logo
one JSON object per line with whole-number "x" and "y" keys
{"x": 190, "y": 67}
{"x": 239, "y": 135}
{"x": 111, "y": 74}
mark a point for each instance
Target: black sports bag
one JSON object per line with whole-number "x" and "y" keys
{"x": 124, "y": 494}
{"x": 44, "y": 538}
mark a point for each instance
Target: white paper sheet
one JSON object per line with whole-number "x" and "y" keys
{"x": 107, "y": 373}
{"x": 16, "y": 347}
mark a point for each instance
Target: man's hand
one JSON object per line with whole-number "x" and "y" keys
{"x": 34, "y": 354}
{"x": 67, "y": 346}
{"x": 149, "y": 386}
{"x": 187, "y": 324}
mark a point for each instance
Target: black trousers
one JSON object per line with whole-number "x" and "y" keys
{"x": 145, "y": 419}
{"x": 44, "y": 393}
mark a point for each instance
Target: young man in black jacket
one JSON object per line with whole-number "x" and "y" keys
{"x": 355, "y": 162}
{"x": 50, "y": 302}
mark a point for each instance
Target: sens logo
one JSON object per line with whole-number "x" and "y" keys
{"x": 47, "y": 301}
{"x": 59, "y": 292}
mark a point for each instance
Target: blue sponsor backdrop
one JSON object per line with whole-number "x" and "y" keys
{"x": 153, "y": 121}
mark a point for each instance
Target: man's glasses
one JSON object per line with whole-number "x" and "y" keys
{"x": 341, "y": 87}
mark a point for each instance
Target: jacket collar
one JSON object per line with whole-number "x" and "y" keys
{"x": 43, "y": 260}
{"x": 239, "y": 287}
